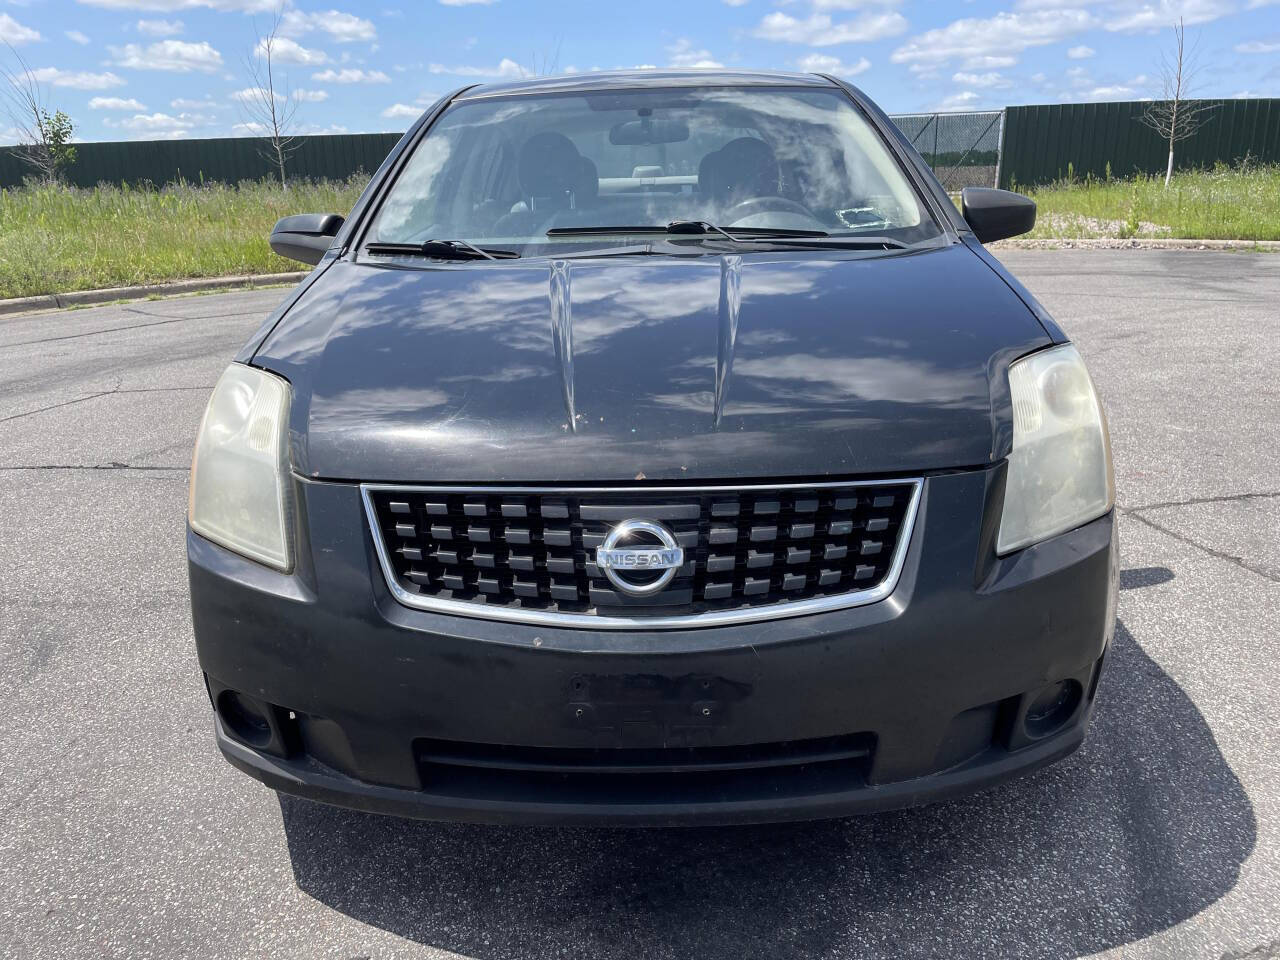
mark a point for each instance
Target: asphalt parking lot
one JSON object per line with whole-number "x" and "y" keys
{"x": 124, "y": 833}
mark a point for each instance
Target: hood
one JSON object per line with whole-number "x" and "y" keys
{"x": 653, "y": 368}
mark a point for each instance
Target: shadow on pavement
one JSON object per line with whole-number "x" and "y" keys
{"x": 1141, "y": 829}
{"x": 1135, "y": 578}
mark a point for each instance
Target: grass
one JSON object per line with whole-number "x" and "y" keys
{"x": 56, "y": 239}
{"x": 1221, "y": 204}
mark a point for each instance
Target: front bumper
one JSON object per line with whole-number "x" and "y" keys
{"x": 371, "y": 705}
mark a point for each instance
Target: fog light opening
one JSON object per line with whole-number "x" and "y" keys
{"x": 1053, "y": 707}
{"x": 244, "y": 718}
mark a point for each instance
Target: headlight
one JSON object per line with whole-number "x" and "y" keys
{"x": 239, "y": 474}
{"x": 1060, "y": 467}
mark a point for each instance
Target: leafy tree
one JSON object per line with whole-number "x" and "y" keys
{"x": 56, "y": 131}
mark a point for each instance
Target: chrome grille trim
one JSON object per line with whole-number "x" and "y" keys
{"x": 586, "y": 621}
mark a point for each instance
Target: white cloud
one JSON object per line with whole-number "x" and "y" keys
{"x": 176, "y": 56}
{"x": 171, "y": 6}
{"x": 158, "y": 122}
{"x": 989, "y": 63}
{"x": 1081, "y": 52}
{"x": 735, "y": 3}
{"x": 1002, "y": 35}
{"x": 821, "y": 63}
{"x": 310, "y": 96}
{"x": 75, "y": 36}
{"x": 964, "y": 100}
{"x": 1159, "y": 14}
{"x": 342, "y": 27}
{"x": 992, "y": 80}
{"x": 350, "y": 75}
{"x": 284, "y": 50}
{"x": 160, "y": 28}
{"x": 11, "y": 31}
{"x": 254, "y": 95}
{"x": 183, "y": 103}
{"x": 683, "y": 55}
{"x": 853, "y": 4}
{"x": 1113, "y": 92}
{"x": 250, "y": 129}
{"x": 1257, "y": 46}
{"x": 115, "y": 103}
{"x": 507, "y": 69}
{"x": 402, "y": 110}
{"x": 77, "y": 79}
{"x": 819, "y": 30}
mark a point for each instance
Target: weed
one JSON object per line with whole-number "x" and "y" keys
{"x": 58, "y": 238}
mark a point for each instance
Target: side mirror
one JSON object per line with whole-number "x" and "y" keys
{"x": 997, "y": 214}
{"x": 305, "y": 237}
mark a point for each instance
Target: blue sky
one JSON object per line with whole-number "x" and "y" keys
{"x": 144, "y": 69}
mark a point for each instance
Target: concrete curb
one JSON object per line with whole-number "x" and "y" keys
{"x": 1135, "y": 243}
{"x": 52, "y": 301}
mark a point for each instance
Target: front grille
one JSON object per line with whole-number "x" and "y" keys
{"x": 749, "y": 552}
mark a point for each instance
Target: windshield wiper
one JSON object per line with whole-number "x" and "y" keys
{"x": 792, "y": 238}
{"x": 440, "y": 249}
{"x": 686, "y": 228}
{"x": 829, "y": 242}
{"x": 776, "y": 236}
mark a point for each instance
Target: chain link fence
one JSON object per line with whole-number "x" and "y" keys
{"x": 962, "y": 148}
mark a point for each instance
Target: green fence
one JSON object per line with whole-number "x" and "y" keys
{"x": 1040, "y": 142}
{"x": 960, "y": 147}
{"x": 228, "y": 159}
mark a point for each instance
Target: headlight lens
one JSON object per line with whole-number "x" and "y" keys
{"x": 239, "y": 474}
{"x": 1060, "y": 467}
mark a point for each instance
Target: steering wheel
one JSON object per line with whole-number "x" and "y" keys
{"x": 757, "y": 205}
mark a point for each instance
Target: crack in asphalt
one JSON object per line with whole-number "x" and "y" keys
{"x": 1192, "y": 542}
{"x": 96, "y": 466}
{"x": 1195, "y": 501}
{"x": 1137, "y": 514}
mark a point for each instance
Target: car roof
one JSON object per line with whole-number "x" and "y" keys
{"x": 643, "y": 79}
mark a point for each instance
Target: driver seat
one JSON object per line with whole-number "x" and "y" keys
{"x": 553, "y": 177}
{"x": 740, "y": 170}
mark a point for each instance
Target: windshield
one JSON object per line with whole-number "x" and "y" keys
{"x": 504, "y": 171}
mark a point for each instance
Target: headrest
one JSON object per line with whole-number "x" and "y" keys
{"x": 549, "y": 165}
{"x": 588, "y": 185}
{"x": 741, "y": 169}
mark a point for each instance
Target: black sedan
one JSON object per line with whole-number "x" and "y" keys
{"x": 652, "y": 448}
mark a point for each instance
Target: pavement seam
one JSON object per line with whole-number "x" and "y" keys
{"x": 104, "y": 393}
{"x": 1190, "y": 541}
{"x": 95, "y": 333}
{"x": 64, "y": 403}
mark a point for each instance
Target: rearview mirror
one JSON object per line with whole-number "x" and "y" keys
{"x": 305, "y": 237}
{"x": 997, "y": 214}
{"x": 646, "y": 130}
